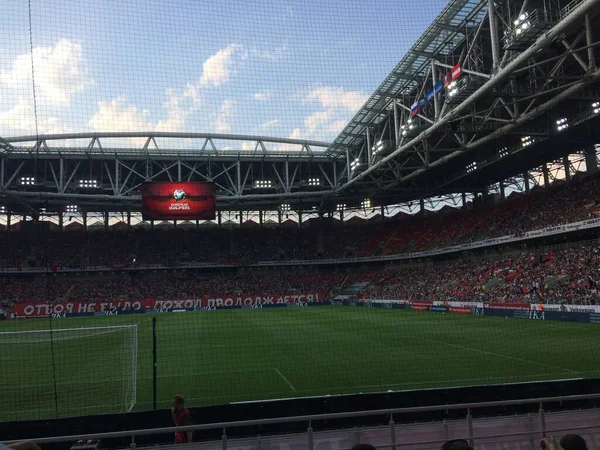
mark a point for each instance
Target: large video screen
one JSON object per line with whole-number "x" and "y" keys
{"x": 174, "y": 200}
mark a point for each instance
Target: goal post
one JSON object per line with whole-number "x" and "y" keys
{"x": 70, "y": 371}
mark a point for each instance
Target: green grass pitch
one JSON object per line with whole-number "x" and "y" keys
{"x": 216, "y": 357}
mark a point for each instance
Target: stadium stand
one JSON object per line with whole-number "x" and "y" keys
{"x": 561, "y": 203}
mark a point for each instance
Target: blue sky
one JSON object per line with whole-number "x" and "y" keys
{"x": 286, "y": 69}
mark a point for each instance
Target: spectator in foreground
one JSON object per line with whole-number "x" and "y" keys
{"x": 573, "y": 442}
{"x": 181, "y": 418}
{"x": 457, "y": 444}
{"x": 363, "y": 447}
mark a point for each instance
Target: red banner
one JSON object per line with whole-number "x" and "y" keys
{"x": 191, "y": 200}
{"x": 421, "y": 306}
{"x": 460, "y": 310}
{"x": 508, "y": 305}
{"x": 41, "y": 309}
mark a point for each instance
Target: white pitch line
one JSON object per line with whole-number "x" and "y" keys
{"x": 285, "y": 379}
{"x": 496, "y": 354}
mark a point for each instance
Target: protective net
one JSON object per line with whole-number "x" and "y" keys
{"x": 69, "y": 371}
{"x": 315, "y": 277}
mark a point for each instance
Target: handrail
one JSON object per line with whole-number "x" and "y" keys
{"x": 316, "y": 417}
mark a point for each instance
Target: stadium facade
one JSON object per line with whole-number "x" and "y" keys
{"x": 492, "y": 98}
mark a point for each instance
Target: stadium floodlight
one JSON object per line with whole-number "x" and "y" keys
{"x": 72, "y": 208}
{"x": 596, "y": 106}
{"x": 341, "y": 207}
{"x": 314, "y": 182}
{"x": 354, "y": 164}
{"x": 378, "y": 147}
{"x": 472, "y": 167}
{"x": 561, "y": 124}
{"x": 90, "y": 184}
{"x": 263, "y": 184}
{"x": 285, "y": 207}
{"x": 2, "y": 209}
{"x": 27, "y": 181}
{"x": 366, "y": 203}
{"x": 526, "y": 141}
{"x": 522, "y": 18}
{"x": 503, "y": 152}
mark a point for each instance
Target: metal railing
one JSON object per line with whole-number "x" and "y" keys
{"x": 309, "y": 419}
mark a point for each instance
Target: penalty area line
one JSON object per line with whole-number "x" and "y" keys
{"x": 285, "y": 379}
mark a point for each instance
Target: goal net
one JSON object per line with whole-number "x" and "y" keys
{"x": 67, "y": 372}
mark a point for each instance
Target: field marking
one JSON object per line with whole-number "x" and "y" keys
{"x": 285, "y": 379}
{"x": 485, "y": 352}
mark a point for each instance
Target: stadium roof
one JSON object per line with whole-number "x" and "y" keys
{"x": 442, "y": 37}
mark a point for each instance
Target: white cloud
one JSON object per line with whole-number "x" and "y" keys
{"x": 222, "y": 123}
{"x": 332, "y": 97}
{"x": 269, "y": 124}
{"x": 248, "y": 145}
{"x": 217, "y": 69}
{"x": 296, "y": 134}
{"x": 59, "y": 73}
{"x": 338, "y": 105}
{"x": 117, "y": 115}
{"x": 176, "y": 116}
{"x": 272, "y": 55}
{"x": 262, "y": 96}
{"x": 21, "y": 120}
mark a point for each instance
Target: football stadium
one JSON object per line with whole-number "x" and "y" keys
{"x": 300, "y": 224}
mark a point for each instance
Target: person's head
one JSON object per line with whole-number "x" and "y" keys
{"x": 363, "y": 447}
{"x": 456, "y": 444}
{"x": 178, "y": 402}
{"x": 573, "y": 442}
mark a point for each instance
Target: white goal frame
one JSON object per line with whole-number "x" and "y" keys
{"x": 130, "y": 394}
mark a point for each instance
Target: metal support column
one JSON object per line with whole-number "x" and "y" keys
{"x": 369, "y": 150}
{"x": 422, "y": 206}
{"x": 567, "y": 165}
{"x": 128, "y": 220}
{"x": 260, "y": 219}
{"x": 348, "y": 171}
{"x": 502, "y": 191}
{"x": 105, "y": 221}
{"x": 546, "y": 175}
{"x": 396, "y": 124}
{"x": 436, "y": 103}
{"x": 84, "y": 217}
{"x": 299, "y": 219}
{"x": 60, "y": 221}
{"x": 542, "y": 421}
{"x": 61, "y": 175}
{"x": 494, "y": 36}
{"x": 526, "y": 181}
{"x": 470, "y": 427}
{"x": 464, "y": 200}
{"x": 241, "y": 213}
{"x": 590, "y": 42}
{"x": 219, "y": 218}
{"x": 178, "y": 169}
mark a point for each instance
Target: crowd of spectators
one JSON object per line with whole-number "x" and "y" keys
{"x": 325, "y": 238}
{"x": 569, "y": 275}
